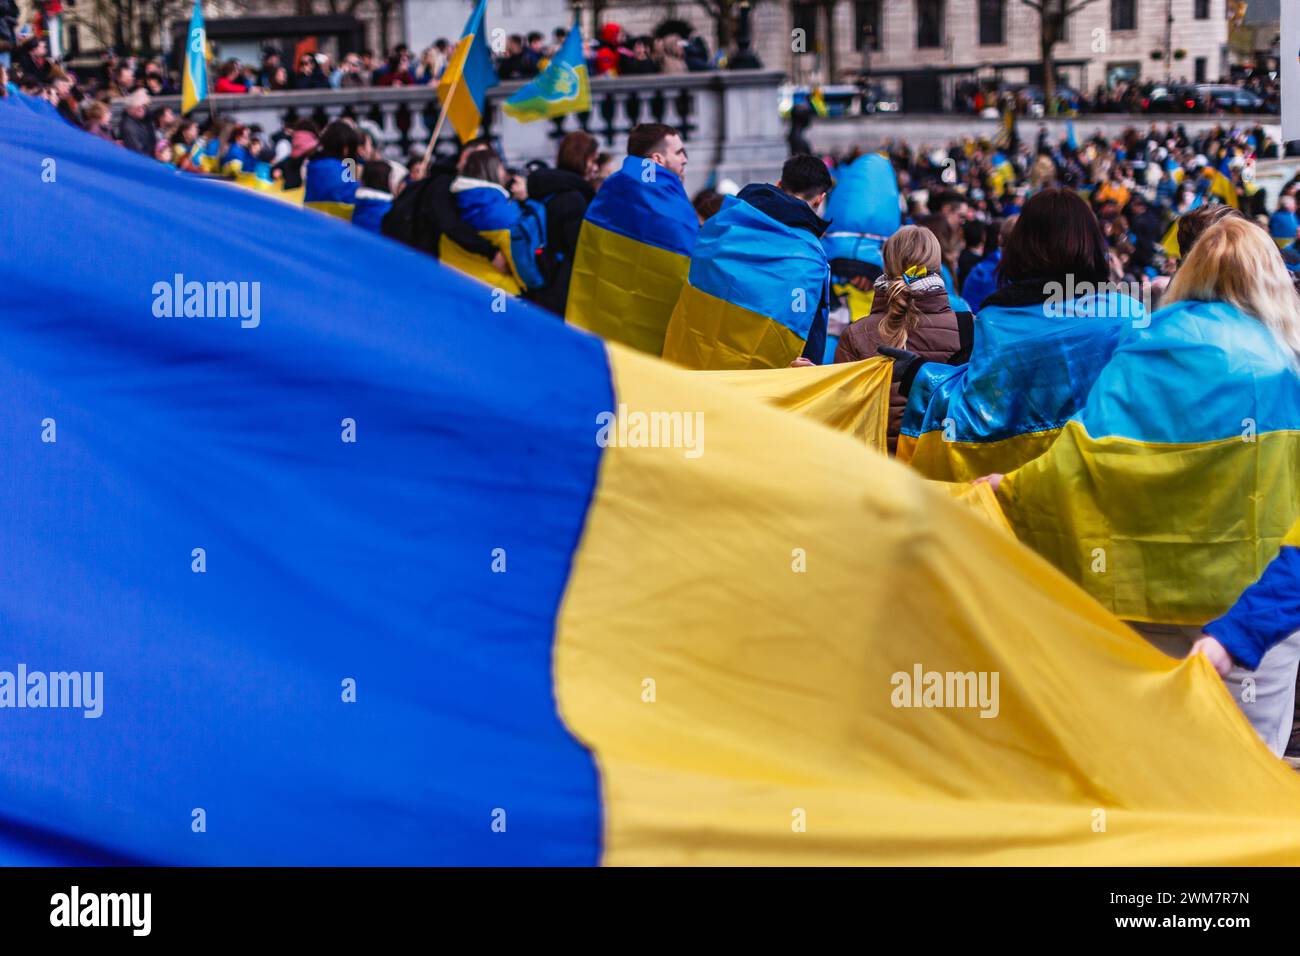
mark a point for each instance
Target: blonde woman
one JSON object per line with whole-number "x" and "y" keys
{"x": 1177, "y": 483}
{"x": 910, "y": 311}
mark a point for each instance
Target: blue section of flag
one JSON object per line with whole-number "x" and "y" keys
{"x": 1194, "y": 349}
{"x": 645, "y": 202}
{"x": 480, "y": 75}
{"x": 326, "y": 561}
{"x": 1031, "y": 368}
{"x": 863, "y": 209}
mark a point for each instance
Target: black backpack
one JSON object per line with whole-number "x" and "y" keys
{"x": 410, "y": 220}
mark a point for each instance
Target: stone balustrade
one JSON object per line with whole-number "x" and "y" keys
{"x": 729, "y": 120}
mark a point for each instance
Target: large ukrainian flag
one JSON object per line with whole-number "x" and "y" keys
{"x": 754, "y": 288}
{"x": 475, "y": 614}
{"x": 1030, "y": 369}
{"x": 1173, "y": 486}
{"x": 462, "y": 91}
{"x": 634, "y": 253}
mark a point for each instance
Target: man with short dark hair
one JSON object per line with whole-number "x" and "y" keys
{"x": 659, "y": 142}
{"x": 952, "y": 205}
{"x": 758, "y": 292}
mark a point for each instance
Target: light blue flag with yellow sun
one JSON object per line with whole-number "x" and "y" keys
{"x": 563, "y": 87}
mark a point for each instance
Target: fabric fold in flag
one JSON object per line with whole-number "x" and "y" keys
{"x": 562, "y": 88}
{"x": 1121, "y": 501}
{"x": 634, "y": 253}
{"x": 1031, "y": 368}
{"x": 462, "y": 90}
{"x": 851, "y": 397}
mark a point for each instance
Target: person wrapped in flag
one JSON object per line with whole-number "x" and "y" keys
{"x": 237, "y": 158}
{"x": 1171, "y": 489}
{"x": 374, "y": 196}
{"x": 863, "y": 211}
{"x": 331, "y": 178}
{"x": 634, "y": 249}
{"x": 758, "y": 292}
{"x": 488, "y": 207}
{"x": 1038, "y": 346}
{"x": 186, "y": 146}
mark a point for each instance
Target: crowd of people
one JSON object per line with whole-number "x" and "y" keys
{"x": 674, "y": 48}
{"x": 939, "y": 259}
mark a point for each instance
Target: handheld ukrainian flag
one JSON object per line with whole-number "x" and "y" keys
{"x": 462, "y": 91}
{"x": 563, "y": 87}
{"x": 1181, "y": 465}
{"x": 634, "y": 253}
{"x": 1169, "y": 243}
{"x": 1220, "y": 186}
{"x": 478, "y": 690}
{"x": 194, "y": 81}
{"x": 1031, "y": 368}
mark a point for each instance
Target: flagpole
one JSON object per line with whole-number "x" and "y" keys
{"x": 442, "y": 117}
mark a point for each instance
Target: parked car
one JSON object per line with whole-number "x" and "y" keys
{"x": 1221, "y": 98}
{"x": 873, "y": 98}
{"x": 1172, "y": 98}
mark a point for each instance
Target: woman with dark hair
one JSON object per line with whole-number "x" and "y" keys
{"x": 333, "y": 171}
{"x": 1056, "y": 235}
{"x": 1038, "y": 345}
{"x": 565, "y": 191}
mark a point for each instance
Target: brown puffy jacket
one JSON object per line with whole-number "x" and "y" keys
{"x": 936, "y": 339}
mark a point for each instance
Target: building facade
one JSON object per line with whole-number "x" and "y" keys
{"x": 833, "y": 40}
